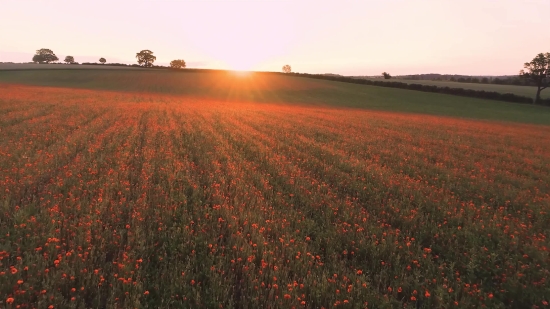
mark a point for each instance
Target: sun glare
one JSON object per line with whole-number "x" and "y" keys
{"x": 240, "y": 73}
{"x": 240, "y": 61}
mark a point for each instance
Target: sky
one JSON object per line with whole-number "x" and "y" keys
{"x": 349, "y": 37}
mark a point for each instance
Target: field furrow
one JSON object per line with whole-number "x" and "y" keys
{"x": 143, "y": 200}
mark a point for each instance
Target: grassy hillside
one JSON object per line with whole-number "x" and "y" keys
{"x": 526, "y": 91}
{"x": 35, "y": 66}
{"x": 272, "y": 88}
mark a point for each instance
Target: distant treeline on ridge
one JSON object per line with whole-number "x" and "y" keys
{"x": 490, "y": 95}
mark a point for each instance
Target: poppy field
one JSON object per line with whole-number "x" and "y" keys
{"x": 156, "y": 200}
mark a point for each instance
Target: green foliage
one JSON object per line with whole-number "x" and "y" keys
{"x": 146, "y": 58}
{"x": 44, "y": 55}
{"x": 69, "y": 59}
{"x": 538, "y": 70}
{"x": 177, "y": 64}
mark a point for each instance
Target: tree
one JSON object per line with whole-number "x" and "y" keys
{"x": 177, "y": 64}
{"x": 386, "y": 75}
{"x": 538, "y": 71}
{"x": 44, "y": 55}
{"x": 69, "y": 59}
{"x": 287, "y": 68}
{"x": 102, "y": 60}
{"x": 145, "y": 58}
{"x": 37, "y": 59}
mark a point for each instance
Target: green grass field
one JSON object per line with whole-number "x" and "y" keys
{"x": 55, "y": 66}
{"x": 519, "y": 90}
{"x": 270, "y": 88}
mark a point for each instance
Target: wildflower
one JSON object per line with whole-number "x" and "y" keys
{"x": 10, "y": 300}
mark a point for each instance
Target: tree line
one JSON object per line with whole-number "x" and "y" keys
{"x": 145, "y": 58}
{"x": 499, "y": 80}
{"x": 481, "y": 94}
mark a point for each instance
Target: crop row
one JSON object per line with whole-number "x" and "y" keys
{"x": 146, "y": 201}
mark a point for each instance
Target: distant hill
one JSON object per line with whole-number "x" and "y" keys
{"x": 436, "y": 76}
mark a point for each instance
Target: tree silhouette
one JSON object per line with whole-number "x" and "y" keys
{"x": 538, "y": 70}
{"x": 102, "y": 60}
{"x": 44, "y": 55}
{"x": 287, "y": 69}
{"x": 69, "y": 59}
{"x": 386, "y": 75}
{"x": 177, "y": 64}
{"x": 146, "y": 58}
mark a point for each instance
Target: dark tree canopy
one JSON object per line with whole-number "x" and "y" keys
{"x": 102, "y": 60}
{"x": 538, "y": 70}
{"x": 177, "y": 64}
{"x": 386, "y": 75}
{"x": 44, "y": 55}
{"x": 69, "y": 59}
{"x": 287, "y": 69}
{"x": 146, "y": 58}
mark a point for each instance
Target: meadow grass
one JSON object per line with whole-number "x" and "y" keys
{"x": 526, "y": 91}
{"x": 124, "y": 199}
{"x": 60, "y": 66}
{"x": 271, "y": 88}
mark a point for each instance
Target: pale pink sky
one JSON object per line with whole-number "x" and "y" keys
{"x": 361, "y": 37}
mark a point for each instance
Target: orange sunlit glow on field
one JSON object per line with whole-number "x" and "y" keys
{"x": 239, "y": 73}
{"x": 120, "y": 197}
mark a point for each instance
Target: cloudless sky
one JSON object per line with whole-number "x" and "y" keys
{"x": 361, "y": 37}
